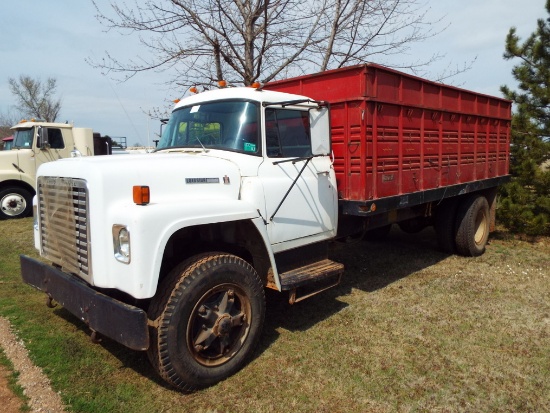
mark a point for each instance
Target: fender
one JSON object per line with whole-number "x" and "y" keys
{"x": 150, "y": 230}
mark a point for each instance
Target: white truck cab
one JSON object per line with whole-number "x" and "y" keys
{"x": 239, "y": 195}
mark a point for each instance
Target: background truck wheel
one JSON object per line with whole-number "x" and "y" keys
{"x": 210, "y": 311}
{"x": 413, "y": 225}
{"x": 445, "y": 225}
{"x": 472, "y": 226}
{"x": 15, "y": 203}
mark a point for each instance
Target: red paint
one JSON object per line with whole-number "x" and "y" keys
{"x": 393, "y": 133}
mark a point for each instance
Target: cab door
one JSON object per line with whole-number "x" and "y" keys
{"x": 300, "y": 197}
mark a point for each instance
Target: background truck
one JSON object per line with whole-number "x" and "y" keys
{"x": 7, "y": 143}
{"x": 247, "y": 190}
{"x": 33, "y": 144}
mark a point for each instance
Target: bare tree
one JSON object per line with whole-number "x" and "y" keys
{"x": 35, "y": 98}
{"x": 243, "y": 41}
{"x": 7, "y": 120}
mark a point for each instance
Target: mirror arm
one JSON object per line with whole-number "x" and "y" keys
{"x": 291, "y": 186}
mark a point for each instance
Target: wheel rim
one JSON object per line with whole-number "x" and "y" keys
{"x": 481, "y": 228}
{"x": 13, "y": 204}
{"x": 219, "y": 325}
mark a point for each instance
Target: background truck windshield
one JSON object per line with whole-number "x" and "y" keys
{"x": 228, "y": 125}
{"x": 22, "y": 138}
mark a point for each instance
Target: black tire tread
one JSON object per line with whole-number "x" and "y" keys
{"x": 465, "y": 229}
{"x": 160, "y": 310}
{"x": 444, "y": 225}
{"x": 25, "y": 194}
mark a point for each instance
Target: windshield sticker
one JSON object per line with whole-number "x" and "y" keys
{"x": 249, "y": 147}
{"x": 195, "y": 109}
{"x": 202, "y": 180}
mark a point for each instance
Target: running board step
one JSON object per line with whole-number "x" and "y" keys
{"x": 311, "y": 279}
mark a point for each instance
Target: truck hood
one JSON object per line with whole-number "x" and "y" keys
{"x": 171, "y": 177}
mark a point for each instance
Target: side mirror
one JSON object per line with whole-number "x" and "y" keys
{"x": 42, "y": 138}
{"x": 319, "y": 120}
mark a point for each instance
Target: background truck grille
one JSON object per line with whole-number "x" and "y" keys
{"x": 64, "y": 225}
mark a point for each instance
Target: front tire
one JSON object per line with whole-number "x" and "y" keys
{"x": 210, "y": 311}
{"x": 15, "y": 203}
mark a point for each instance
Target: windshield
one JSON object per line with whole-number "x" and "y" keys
{"x": 227, "y": 125}
{"x": 22, "y": 138}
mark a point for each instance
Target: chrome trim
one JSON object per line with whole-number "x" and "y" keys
{"x": 64, "y": 225}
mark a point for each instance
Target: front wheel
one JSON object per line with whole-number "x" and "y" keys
{"x": 15, "y": 203}
{"x": 209, "y": 311}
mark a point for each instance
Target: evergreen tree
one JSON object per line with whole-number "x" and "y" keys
{"x": 525, "y": 205}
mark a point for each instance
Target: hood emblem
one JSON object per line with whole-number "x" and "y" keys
{"x": 202, "y": 180}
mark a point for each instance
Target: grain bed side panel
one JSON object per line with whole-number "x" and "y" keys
{"x": 396, "y": 134}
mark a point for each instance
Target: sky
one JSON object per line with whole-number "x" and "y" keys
{"x": 54, "y": 38}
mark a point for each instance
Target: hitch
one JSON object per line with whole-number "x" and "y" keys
{"x": 49, "y": 301}
{"x": 95, "y": 337}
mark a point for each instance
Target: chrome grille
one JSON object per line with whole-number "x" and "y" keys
{"x": 63, "y": 223}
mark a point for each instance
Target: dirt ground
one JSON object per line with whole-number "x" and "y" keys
{"x": 35, "y": 384}
{"x": 10, "y": 402}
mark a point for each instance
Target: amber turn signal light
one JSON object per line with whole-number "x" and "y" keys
{"x": 141, "y": 195}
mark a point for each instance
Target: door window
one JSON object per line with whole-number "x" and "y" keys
{"x": 55, "y": 139}
{"x": 287, "y": 133}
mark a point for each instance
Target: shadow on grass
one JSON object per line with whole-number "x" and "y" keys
{"x": 132, "y": 359}
{"x": 373, "y": 265}
{"x": 370, "y": 266}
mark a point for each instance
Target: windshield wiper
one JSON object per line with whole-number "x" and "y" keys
{"x": 199, "y": 141}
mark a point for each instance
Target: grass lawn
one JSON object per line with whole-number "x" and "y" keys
{"x": 409, "y": 329}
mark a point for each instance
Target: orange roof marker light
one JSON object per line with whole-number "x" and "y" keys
{"x": 141, "y": 195}
{"x": 193, "y": 89}
{"x": 222, "y": 83}
{"x": 256, "y": 85}
{"x": 176, "y": 101}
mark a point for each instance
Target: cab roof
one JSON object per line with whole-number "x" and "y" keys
{"x": 246, "y": 93}
{"x": 30, "y": 124}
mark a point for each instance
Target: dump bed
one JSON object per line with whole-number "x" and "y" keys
{"x": 396, "y": 134}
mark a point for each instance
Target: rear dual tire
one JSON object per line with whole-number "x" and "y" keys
{"x": 473, "y": 224}
{"x": 462, "y": 226}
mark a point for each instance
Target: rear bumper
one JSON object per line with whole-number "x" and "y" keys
{"x": 121, "y": 322}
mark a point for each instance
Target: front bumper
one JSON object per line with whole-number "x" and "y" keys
{"x": 121, "y": 322}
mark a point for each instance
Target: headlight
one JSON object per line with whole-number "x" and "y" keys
{"x": 121, "y": 243}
